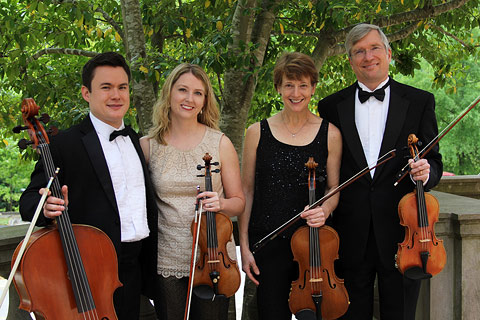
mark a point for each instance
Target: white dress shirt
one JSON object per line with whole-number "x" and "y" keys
{"x": 128, "y": 181}
{"x": 370, "y": 119}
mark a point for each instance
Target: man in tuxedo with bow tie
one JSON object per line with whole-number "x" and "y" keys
{"x": 105, "y": 179}
{"x": 375, "y": 115}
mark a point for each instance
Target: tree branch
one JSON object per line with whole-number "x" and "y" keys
{"x": 441, "y": 30}
{"x": 336, "y": 38}
{"x": 75, "y": 52}
{"x": 409, "y": 16}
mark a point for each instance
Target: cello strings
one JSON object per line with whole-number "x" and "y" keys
{"x": 62, "y": 220}
{"x": 78, "y": 277}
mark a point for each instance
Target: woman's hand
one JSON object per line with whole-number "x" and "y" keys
{"x": 249, "y": 265}
{"x": 315, "y": 217}
{"x": 210, "y": 201}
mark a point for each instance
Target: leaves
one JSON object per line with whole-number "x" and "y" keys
{"x": 204, "y": 32}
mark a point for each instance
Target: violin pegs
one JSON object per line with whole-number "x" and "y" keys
{"x": 216, "y": 171}
{"x": 215, "y": 163}
{"x": 200, "y": 175}
{"x": 18, "y": 129}
{"x": 200, "y": 167}
{"x": 23, "y": 143}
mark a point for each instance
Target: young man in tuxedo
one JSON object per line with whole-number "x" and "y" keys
{"x": 105, "y": 179}
{"x": 375, "y": 115}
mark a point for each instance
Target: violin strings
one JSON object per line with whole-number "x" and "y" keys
{"x": 422, "y": 212}
{"x": 421, "y": 208}
{"x": 78, "y": 277}
{"x": 316, "y": 262}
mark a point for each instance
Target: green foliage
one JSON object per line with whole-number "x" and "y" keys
{"x": 201, "y": 32}
{"x": 460, "y": 146}
{"x": 14, "y": 176}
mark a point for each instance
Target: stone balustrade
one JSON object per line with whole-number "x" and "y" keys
{"x": 467, "y": 186}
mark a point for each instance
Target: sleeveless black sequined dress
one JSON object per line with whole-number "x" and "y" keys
{"x": 281, "y": 192}
{"x": 281, "y": 189}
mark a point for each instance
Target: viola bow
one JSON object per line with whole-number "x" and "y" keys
{"x": 403, "y": 172}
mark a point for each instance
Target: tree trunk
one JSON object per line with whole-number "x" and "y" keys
{"x": 143, "y": 96}
{"x": 239, "y": 90}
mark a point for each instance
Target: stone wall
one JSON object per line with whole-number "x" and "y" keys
{"x": 467, "y": 186}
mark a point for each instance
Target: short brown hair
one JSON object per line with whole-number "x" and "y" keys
{"x": 294, "y": 65}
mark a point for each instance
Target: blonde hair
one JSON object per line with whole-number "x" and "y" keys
{"x": 161, "y": 118}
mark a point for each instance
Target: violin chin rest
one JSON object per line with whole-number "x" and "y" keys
{"x": 306, "y": 314}
{"x": 205, "y": 292}
{"x": 416, "y": 273}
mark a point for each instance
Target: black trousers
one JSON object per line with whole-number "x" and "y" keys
{"x": 277, "y": 271}
{"x": 127, "y": 298}
{"x": 171, "y": 299}
{"x": 397, "y": 295}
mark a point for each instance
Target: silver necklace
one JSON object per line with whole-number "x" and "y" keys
{"x": 293, "y": 133}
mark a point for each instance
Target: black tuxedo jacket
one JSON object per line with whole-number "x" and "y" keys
{"x": 373, "y": 202}
{"x": 83, "y": 168}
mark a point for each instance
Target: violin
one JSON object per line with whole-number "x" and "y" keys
{"x": 63, "y": 260}
{"x": 317, "y": 290}
{"x": 215, "y": 272}
{"x": 421, "y": 255}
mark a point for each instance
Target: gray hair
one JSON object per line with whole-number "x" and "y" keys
{"x": 360, "y": 31}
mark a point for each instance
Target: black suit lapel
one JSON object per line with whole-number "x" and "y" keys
{"x": 95, "y": 153}
{"x": 346, "y": 114}
{"x": 397, "y": 111}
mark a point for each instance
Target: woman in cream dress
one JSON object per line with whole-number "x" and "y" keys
{"x": 185, "y": 127}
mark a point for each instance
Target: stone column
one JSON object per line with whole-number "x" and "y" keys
{"x": 454, "y": 293}
{"x": 468, "y": 275}
{"x": 439, "y": 290}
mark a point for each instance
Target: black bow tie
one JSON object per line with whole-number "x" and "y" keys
{"x": 379, "y": 94}
{"x": 116, "y": 133}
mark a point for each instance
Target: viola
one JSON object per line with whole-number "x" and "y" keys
{"x": 215, "y": 272}
{"x": 74, "y": 264}
{"x": 317, "y": 290}
{"x": 421, "y": 255}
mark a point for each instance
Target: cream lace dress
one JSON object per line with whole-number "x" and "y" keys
{"x": 174, "y": 175}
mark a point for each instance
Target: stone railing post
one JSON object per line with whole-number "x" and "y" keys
{"x": 454, "y": 292}
{"x": 9, "y": 239}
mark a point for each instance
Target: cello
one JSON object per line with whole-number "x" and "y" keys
{"x": 317, "y": 289}
{"x": 421, "y": 255}
{"x": 59, "y": 261}
{"x": 215, "y": 272}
